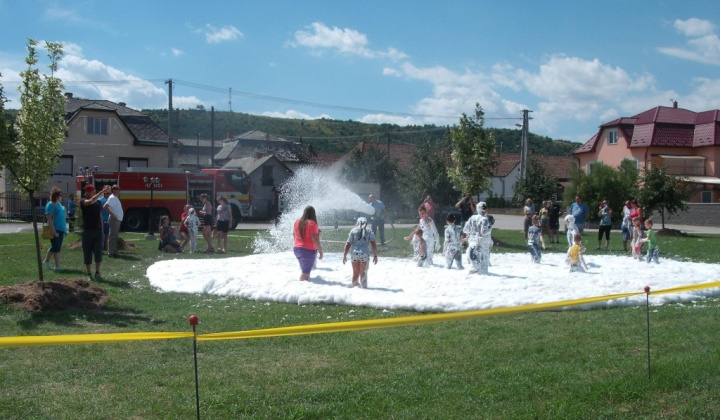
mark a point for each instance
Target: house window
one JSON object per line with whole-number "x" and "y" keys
{"x": 589, "y": 166}
{"x": 632, "y": 161}
{"x": 612, "y": 137}
{"x": 706, "y": 196}
{"x": 97, "y": 126}
{"x": 65, "y": 166}
{"x": 267, "y": 176}
{"x": 132, "y": 162}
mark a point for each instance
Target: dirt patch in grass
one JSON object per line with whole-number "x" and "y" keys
{"x": 57, "y": 295}
{"x": 123, "y": 245}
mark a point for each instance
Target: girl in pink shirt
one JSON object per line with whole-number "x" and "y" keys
{"x": 306, "y": 244}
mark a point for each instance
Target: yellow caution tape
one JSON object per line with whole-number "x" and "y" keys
{"x": 57, "y": 340}
{"x": 25, "y": 341}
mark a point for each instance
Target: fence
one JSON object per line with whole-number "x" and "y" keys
{"x": 16, "y": 207}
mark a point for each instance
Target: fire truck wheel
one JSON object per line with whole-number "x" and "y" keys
{"x": 134, "y": 221}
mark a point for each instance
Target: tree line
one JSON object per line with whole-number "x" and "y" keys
{"x": 337, "y": 136}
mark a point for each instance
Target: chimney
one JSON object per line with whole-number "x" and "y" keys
{"x": 68, "y": 95}
{"x": 229, "y": 134}
{"x": 122, "y": 104}
{"x": 674, "y": 104}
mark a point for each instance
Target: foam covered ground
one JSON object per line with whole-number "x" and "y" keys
{"x": 397, "y": 284}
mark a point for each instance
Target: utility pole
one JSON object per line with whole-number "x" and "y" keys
{"x": 524, "y": 145}
{"x": 212, "y": 136}
{"x": 170, "y": 110}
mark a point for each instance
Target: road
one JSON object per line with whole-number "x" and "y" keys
{"x": 502, "y": 221}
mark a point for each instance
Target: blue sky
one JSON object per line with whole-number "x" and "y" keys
{"x": 575, "y": 64}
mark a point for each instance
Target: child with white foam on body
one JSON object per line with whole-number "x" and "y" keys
{"x": 653, "y": 249}
{"x": 574, "y": 255}
{"x": 535, "y": 236}
{"x": 478, "y": 230}
{"x": 452, "y": 248}
{"x": 429, "y": 233}
{"x": 570, "y": 229}
{"x": 637, "y": 239}
{"x": 192, "y": 222}
{"x": 419, "y": 248}
{"x": 359, "y": 241}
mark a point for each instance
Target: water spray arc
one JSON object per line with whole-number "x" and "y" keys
{"x": 321, "y": 189}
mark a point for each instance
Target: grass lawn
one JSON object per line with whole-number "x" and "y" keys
{"x": 554, "y": 365}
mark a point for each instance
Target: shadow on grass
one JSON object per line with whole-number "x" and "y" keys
{"x": 118, "y": 317}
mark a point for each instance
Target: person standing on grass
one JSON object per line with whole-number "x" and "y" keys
{"x": 184, "y": 227}
{"x": 92, "y": 235}
{"x": 106, "y": 219}
{"x": 114, "y": 208}
{"x": 545, "y": 218}
{"x": 605, "y": 214}
{"x": 207, "y": 217}
{"x": 306, "y": 242}
{"x": 359, "y": 241}
{"x": 71, "y": 213}
{"x": 579, "y": 210}
{"x": 466, "y": 207}
{"x": 554, "y": 212}
{"x": 55, "y": 214}
{"x": 377, "y": 220}
{"x": 224, "y": 221}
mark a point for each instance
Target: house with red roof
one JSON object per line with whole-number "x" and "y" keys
{"x": 507, "y": 173}
{"x": 687, "y": 142}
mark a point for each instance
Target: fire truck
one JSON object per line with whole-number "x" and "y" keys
{"x": 150, "y": 193}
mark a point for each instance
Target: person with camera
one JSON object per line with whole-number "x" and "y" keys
{"x": 466, "y": 207}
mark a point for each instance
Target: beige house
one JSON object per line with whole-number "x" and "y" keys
{"x": 110, "y": 136}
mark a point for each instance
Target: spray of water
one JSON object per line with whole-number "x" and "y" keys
{"x": 316, "y": 187}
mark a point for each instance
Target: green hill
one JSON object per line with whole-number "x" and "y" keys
{"x": 334, "y": 135}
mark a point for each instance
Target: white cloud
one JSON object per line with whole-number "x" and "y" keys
{"x": 58, "y": 14}
{"x": 81, "y": 76}
{"x": 319, "y": 38}
{"x": 214, "y": 35}
{"x": 703, "y": 45}
{"x": 694, "y": 27}
{"x": 388, "y": 119}
{"x": 177, "y": 52}
{"x": 294, "y": 115}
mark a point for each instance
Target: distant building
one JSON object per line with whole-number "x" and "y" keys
{"x": 687, "y": 142}
{"x": 267, "y": 174}
{"x": 507, "y": 173}
{"x": 108, "y": 135}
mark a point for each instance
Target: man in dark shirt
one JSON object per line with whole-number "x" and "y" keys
{"x": 92, "y": 235}
{"x": 554, "y": 215}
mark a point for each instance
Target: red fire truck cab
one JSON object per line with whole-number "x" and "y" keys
{"x": 150, "y": 193}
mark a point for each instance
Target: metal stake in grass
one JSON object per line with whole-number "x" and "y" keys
{"x": 194, "y": 321}
{"x": 647, "y": 311}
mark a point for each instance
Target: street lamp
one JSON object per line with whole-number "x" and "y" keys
{"x": 151, "y": 183}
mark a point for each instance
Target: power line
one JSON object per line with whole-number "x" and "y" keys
{"x": 259, "y": 96}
